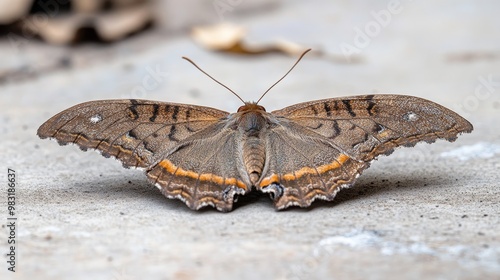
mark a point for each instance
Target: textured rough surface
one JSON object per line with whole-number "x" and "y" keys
{"x": 431, "y": 211}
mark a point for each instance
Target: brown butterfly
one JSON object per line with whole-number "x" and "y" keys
{"x": 204, "y": 156}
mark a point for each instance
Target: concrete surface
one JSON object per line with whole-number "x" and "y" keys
{"x": 427, "y": 212}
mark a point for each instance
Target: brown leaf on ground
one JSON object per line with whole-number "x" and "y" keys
{"x": 230, "y": 38}
{"x": 93, "y": 6}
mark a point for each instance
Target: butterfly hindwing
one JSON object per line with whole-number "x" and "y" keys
{"x": 302, "y": 167}
{"x": 203, "y": 170}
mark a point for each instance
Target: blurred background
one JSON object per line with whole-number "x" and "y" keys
{"x": 426, "y": 212}
{"x": 105, "y": 49}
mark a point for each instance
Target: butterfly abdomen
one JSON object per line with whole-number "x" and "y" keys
{"x": 252, "y": 125}
{"x": 254, "y": 157}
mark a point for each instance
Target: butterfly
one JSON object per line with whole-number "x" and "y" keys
{"x": 208, "y": 157}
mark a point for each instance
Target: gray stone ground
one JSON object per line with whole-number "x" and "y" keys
{"x": 427, "y": 212}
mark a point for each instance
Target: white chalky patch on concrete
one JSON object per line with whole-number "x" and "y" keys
{"x": 469, "y": 256}
{"x": 478, "y": 150}
{"x": 370, "y": 239}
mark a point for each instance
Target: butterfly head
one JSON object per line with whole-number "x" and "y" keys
{"x": 251, "y": 106}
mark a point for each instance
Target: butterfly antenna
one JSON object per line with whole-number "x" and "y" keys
{"x": 213, "y": 78}
{"x": 301, "y": 56}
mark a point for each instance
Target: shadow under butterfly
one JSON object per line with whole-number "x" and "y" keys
{"x": 205, "y": 156}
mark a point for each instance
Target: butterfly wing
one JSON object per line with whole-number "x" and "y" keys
{"x": 204, "y": 170}
{"x": 133, "y": 131}
{"x": 149, "y": 134}
{"x": 328, "y": 143}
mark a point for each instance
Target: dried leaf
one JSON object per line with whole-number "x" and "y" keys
{"x": 92, "y": 6}
{"x": 220, "y": 37}
{"x": 229, "y": 38}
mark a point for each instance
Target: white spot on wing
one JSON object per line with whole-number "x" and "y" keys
{"x": 96, "y": 118}
{"x": 410, "y": 116}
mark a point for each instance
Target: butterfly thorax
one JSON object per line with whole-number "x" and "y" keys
{"x": 252, "y": 124}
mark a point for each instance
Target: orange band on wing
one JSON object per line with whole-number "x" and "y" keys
{"x": 207, "y": 177}
{"x": 269, "y": 180}
{"x": 306, "y": 170}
